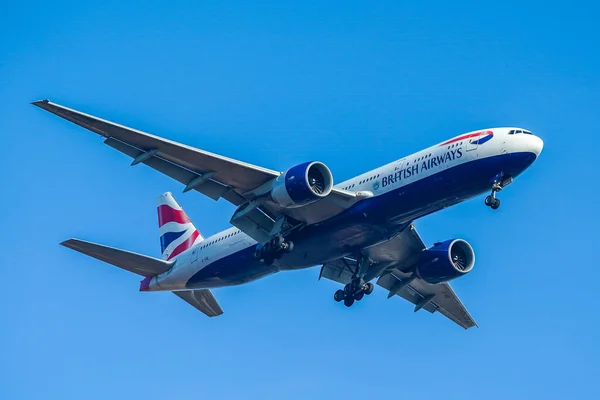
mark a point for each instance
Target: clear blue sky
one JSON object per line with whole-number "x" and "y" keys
{"x": 355, "y": 85}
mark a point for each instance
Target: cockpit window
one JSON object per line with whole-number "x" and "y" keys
{"x": 517, "y": 131}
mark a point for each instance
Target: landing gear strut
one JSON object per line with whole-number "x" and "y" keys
{"x": 357, "y": 288}
{"x": 273, "y": 249}
{"x": 491, "y": 200}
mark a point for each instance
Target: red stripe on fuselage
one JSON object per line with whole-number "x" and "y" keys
{"x": 145, "y": 284}
{"x": 470, "y": 135}
{"x": 185, "y": 245}
{"x": 168, "y": 214}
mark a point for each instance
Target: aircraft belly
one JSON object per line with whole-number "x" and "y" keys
{"x": 233, "y": 269}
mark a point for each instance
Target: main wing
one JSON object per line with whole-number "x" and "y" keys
{"x": 398, "y": 255}
{"x": 210, "y": 174}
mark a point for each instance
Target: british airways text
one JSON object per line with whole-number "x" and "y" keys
{"x": 424, "y": 166}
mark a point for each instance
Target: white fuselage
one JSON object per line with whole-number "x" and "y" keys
{"x": 389, "y": 180}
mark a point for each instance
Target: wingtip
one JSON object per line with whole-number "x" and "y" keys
{"x": 472, "y": 326}
{"x": 39, "y": 103}
{"x": 68, "y": 243}
{"x": 218, "y": 313}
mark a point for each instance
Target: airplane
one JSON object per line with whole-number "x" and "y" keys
{"x": 360, "y": 230}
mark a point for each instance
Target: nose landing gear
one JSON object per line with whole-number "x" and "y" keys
{"x": 491, "y": 200}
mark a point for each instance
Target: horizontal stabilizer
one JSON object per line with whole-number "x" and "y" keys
{"x": 127, "y": 260}
{"x": 202, "y": 300}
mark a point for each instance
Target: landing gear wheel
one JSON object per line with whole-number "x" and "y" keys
{"x": 368, "y": 288}
{"x": 495, "y": 204}
{"x": 358, "y": 296}
{"x": 489, "y": 201}
{"x": 348, "y": 301}
{"x": 277, "y": 242}
{"x": 289, "y": 247}
{"x": 273, "y": 250}
{"x": 339, "y": 295}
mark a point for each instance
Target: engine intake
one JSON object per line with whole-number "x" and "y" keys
{"x": 302, "y": 185}
{"x": 446, "y": 261}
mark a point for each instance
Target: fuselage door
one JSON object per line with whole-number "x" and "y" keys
{"x": 397, "y": 173}
{"x": 473, "y": 142}
{"x": 400, "y": 165}
{"x": 194, "y": 256}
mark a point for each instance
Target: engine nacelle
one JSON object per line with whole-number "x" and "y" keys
{"x": 302, "y": 185}
{"x": 446, "y": 261}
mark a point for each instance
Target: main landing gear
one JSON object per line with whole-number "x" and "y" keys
{"x": 357, "y": 288}
{"x": 354, "y": 291}
{"x": 491, "y": 200}
{"x": 273, "y": 249}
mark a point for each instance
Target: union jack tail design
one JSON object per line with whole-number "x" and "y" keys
{"x": 177, "y": 233}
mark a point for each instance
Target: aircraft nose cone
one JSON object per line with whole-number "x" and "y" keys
{"x": 536, "y": 145}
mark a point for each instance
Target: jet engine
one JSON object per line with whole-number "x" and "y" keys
{"x": 302, "y": 185}
{"x": 446, "y": 261}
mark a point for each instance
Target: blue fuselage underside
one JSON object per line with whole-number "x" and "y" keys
{"x": 368, "y": 222}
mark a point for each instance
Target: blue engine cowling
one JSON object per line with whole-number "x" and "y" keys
{"x": 446, "y": 261}
{"x": 302, "y": 185}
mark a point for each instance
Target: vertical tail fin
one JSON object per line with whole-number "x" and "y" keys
{"x": 177, "y": 233}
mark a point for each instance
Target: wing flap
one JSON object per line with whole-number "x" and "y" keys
{"x": 202, "y": 300}
{"x": 209, "y": 188}
{"x": 127, "y": 260}
{"x": 338, "y": 271}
